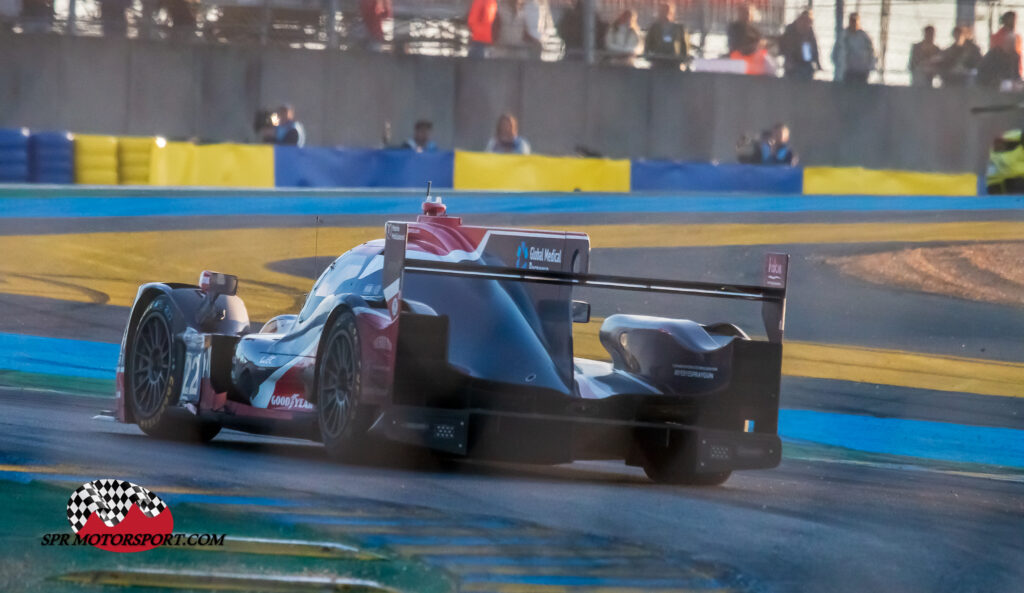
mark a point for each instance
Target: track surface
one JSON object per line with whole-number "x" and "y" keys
{"x": 837, "y": 525}
{"x": 826, "y": 520}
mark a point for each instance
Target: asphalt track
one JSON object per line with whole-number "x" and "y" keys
{"x": 897, "y": 508}
{"x": 822, "y": 521}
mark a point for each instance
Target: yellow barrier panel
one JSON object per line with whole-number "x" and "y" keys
{"x": 174, "y": 164}
{"x": 133, "y": 159}
{"x": 482, "y": 171}
{"x": 860, "y": 181}
{"x": 95, "y": 159}
{"x": 213, "y": 165}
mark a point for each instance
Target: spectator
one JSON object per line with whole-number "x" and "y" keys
{"x": 667, "y": 44}
{"x": 755, "y": 152}
{"x": 781, "y": 152}
{"x": 758, "y": 63}
{"x": 506, "y": 137}
{"x": 799, "y": 47}
{"x": 264, "y": 126}
{"x": 1008, "y": 29}
{"x": 182, "y": 14}
{"x": 622, "y": 41}
{"x": 113, "y": 18}
{"x": 36, "y": 15}
{"x": 772, "y": 148}
{"x": 374, "y": 12}
{"x": 742, "y": 35}
{"x": 923, "y": 56}
{"x": 539, "y": 24}
{"x": 420, "y": 141}
{"x": 958, "y": 63}
{"x": 1000, "y": 68}
{"x": 289, "y": 130}
{"x": 511, "y": 28}
{"x": 854, "y": 53}
{"x": 482, "y": 14}
{"x": 570, "y": 29}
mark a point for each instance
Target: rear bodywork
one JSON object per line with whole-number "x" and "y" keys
{"x": 466, "y": 337}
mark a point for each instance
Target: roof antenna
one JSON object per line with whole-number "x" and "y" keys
{"x": 428, "y": 191}
{"x": 316, "y": 246}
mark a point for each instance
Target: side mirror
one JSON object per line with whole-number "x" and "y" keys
{"x": 580, "y": 312}
{"x": 217, "y": 283}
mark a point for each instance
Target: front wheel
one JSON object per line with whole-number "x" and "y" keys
{"x": 338, "y": 385}
{"x": 153, "y": 376}
{"x": 677, "y": 464}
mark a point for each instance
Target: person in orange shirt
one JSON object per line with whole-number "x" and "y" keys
{"x": 1009, "y": 26}
{"x": 481, "y": 26}
{"x": 759, "y": 62}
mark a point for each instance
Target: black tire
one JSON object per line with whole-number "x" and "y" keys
{"x": 340, "y": 416}
{"x": 677, "y": 464}
{"x": 153, "y": 375}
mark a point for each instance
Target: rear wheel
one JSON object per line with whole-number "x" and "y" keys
{"x": 153, "y": 376}
{"x": 677, "y": 464}
{"x": 338, "y": 385}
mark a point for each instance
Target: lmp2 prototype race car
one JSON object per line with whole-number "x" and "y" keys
{"x": 459, "y": 339}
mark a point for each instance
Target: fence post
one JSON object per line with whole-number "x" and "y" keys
{"x": 840, "y": 13}
{"x": 332, "y": 24}
{"x": 72, "y": 18}
{"x": 589, "y": 31}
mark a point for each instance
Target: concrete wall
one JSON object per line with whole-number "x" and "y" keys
{"x": 210, "y": 92}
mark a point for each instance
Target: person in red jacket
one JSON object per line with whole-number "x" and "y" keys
{"x": 374, "y": 12}
{"x": 1008, "y": 29}
{"x": 481, "y": 26}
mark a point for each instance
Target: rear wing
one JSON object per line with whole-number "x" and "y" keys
{"x": 772, "y": 294}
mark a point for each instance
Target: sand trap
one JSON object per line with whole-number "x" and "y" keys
{"x": 992, "y": 272}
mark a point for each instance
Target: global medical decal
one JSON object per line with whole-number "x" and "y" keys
{"x": 531, "y": 257}
{"x": 119, "y": 516}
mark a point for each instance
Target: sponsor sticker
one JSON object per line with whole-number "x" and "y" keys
{"x": 290, "y": 402}
{"x": 531, "y": 257}
{"x": 775, "y": 270}
{"x": 693, "y": 371}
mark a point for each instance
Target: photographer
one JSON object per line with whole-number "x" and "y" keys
{"x": 772, "y": 148}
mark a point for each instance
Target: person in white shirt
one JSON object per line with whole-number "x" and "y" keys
{"x": 506, "y": 138}
{"x": 539, "y": 24}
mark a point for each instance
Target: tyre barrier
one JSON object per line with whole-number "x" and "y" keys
{"x": 14, "y": 155}
{"x": 51, "y": 158}
{"x": 96, "y": 160}
{"x": 133, "y": 159}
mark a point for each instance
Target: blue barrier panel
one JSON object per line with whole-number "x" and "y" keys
{"x": 347, "y": 167}
{"x": 705, "y": 177}
{"x": 14, "y": 155}
{"x": 51, "y": 157}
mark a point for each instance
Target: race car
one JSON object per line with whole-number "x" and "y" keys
{"x": 459, "y": 339}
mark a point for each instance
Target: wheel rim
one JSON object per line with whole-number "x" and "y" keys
{"x": 337, "y": 380}
{"x": 151, "y": 365}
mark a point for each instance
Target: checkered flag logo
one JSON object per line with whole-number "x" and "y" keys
{"x": 112, "y": 499}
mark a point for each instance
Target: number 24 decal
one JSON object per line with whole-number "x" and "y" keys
{"x": 193, "y": 372}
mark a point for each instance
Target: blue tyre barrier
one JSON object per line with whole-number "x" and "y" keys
{"x": 14, "y": 155}
{"x": 51, "y": 158}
